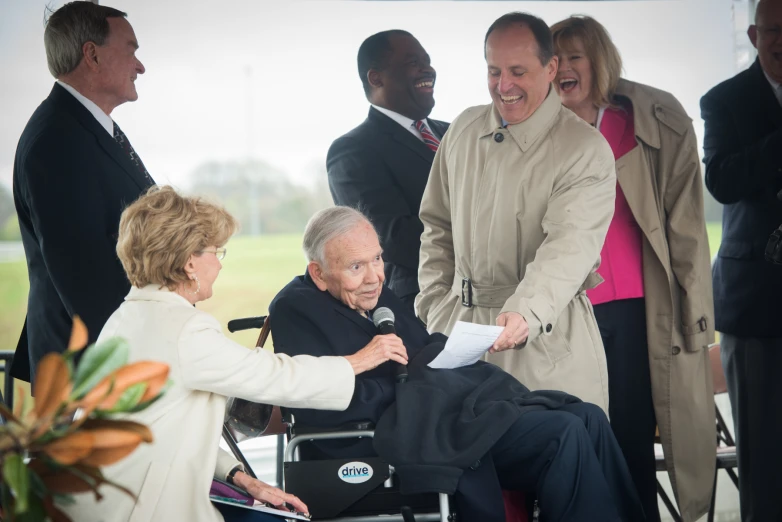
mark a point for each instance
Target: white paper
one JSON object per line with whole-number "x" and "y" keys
{"x": 466, "y": 345}
{"x": 262, "y": 508}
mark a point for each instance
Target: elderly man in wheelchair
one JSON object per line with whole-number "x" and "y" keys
{"x": 471, "y": 431}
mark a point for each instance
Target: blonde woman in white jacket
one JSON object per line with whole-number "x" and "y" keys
{"x": 170, "y": 247}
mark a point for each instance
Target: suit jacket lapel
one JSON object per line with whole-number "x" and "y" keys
{"x": 105, "y": 140}
{"x": 766, "y": 99}
{"x": 400, "y": 135}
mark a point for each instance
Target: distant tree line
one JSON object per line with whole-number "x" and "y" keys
{"x": 261, "y": 197}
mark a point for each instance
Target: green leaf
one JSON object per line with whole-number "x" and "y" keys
{"x": 15, "y": 475}
{"x": 35, "y": 513}
{"x": 143, "y": 405}
{"x": 98, "y": 361}
{"x": 129, "y": 398}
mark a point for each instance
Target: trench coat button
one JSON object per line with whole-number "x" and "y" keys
{"x": 549, "y": 328}
{"x": 476, "y": 465}
{"x": 499, "y": 137}
{"x": 676, "y": 350}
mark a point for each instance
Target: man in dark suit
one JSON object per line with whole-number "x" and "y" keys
{"x": 74, "y": 173}
{"x": 471, "y": 430}
{"x": 382, "y": 165}
{"x": 743, "y": 156}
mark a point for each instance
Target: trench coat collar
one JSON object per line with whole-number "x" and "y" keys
{"x": 647, "y": 127}
{"x": 526, "y": 133}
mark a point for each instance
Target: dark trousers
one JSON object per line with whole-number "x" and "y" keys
{"x": 753, "y": 370}
{"x": 570, "y": 459}
{"x": 237, "y": 514}
{"x": 622, "y": 326}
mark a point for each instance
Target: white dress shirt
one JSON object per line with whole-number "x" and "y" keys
{"x": 104, "y": 119}
{"x": 406, "y": 122}
{"x": 776, "y": 87}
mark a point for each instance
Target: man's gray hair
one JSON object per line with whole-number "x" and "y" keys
{"x": 328, "y": 224}
{"x": 69, "y": 28}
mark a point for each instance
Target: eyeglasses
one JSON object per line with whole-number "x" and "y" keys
{"x": 218, "y": 252}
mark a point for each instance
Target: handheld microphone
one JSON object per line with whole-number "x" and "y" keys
{"x": 384, "y": 321}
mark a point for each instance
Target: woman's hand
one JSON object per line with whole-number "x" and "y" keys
{"x": 265, "y": 493}
{"x": 379, "y": 350}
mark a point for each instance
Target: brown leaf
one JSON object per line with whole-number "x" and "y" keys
{"x": 110, "y": 446}
{"x": 107, "y": 392}
{"x": 71, "y": 448}
{"x": 62, "y": 480}
{"x": 52, "y": 384}
{"x": 124, "y": 425}
{"x": 79, "y": 337}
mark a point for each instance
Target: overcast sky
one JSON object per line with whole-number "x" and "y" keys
{"x": 277, "y": 79}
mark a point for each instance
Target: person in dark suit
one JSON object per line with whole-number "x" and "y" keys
{"x": 429, "y": 427}
{"x": 743, "y": 156}
{"x": 382, "y": 165}
{"x": 74, "y": 173}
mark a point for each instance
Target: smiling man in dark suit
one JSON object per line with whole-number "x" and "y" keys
{"x": 382, "y": 165}
{"x": 74, "y": 173}
{"x": 742, "y": 148}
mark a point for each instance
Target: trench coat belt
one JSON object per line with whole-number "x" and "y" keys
{"x": 488, "y": 296}
{"x": 475, "y": 294}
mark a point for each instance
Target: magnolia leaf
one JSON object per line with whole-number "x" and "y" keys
{"x": 110, "y": 446}
{"x": 16, "y": 477}
{"x": 36, "y": 512}
{"x": 145, "y": 404}
{"x": 70, "y": 448}
{"x": 79, "y": 337}
{"x": 153, "y": 374}
{"x": 97, "y": 362}
{"x": 52, "y": 384}
{"x": 8, "y": 414}
{"x": 129, "y": 399}
{"x": 124, "y": 425}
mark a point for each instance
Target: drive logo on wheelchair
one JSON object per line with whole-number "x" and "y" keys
{"x": 355, "y": 472}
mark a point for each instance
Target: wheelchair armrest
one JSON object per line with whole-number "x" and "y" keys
{"x": 298, "y": 429}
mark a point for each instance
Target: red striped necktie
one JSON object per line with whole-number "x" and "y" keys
{"x": 430, "y": 139}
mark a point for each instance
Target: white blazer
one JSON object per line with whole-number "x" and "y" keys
{"x": 172, "y": 475}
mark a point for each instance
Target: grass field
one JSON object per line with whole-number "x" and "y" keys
{"x": 254, "y": 270}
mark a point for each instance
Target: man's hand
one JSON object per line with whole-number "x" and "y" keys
{"x": 381, "y": 349}
{"x": 516, "y": 331}
{"x": 265, "y": 493}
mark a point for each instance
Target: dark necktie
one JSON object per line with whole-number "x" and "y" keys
{"x": 123, "y": 142}
{"x": 430, "y": 139}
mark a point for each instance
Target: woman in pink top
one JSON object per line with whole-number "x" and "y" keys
{"x": 654, "y": 310}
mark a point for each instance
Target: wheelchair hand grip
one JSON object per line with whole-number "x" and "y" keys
{"x": 246, "y": 323}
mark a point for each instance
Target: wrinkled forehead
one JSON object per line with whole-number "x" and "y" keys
{"x": 359, "y": 245}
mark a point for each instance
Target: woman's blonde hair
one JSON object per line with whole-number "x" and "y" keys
{"x": 161, "y": 230}
{"x": 601, "y": 51}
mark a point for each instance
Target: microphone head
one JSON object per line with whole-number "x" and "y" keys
{"x": 382, "y": 315}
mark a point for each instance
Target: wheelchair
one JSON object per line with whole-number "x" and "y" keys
{"x": 335, "y": 490}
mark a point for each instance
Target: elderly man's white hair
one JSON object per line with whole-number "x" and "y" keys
{"x": 328, "y": 224}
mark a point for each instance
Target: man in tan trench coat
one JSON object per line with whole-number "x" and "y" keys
{"x": 515, "y": 213}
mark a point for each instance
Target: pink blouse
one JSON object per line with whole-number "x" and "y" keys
{"x": 621, "y": 262}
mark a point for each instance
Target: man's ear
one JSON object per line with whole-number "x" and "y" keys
{"x": 89, "y": 52}
{"x": 317, "y": 274}
{"x": 552, "y": 68}
{"x": 374, "y": 78}
{"x": 752, "y": 32}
